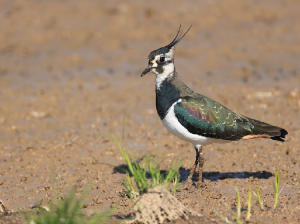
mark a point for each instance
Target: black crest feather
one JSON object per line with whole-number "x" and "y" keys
{"x": 164, "y": 50}
{"x": 178, "y": 37}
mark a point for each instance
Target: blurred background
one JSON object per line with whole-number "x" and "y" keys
{"x": 70, "y": 69}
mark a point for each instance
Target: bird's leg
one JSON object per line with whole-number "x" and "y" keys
{"x": 200, "y": 167}
{"x": 189, "y": 180}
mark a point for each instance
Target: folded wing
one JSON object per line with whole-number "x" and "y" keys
{"x": 204, "y": 116}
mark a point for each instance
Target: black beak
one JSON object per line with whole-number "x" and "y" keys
{"x": 147, "y": 70}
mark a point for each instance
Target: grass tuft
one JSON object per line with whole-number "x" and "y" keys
{"x": 235, "y": 215}
{"x": 139, "y": 173}
{"x": 258, "y": 196}
{"x": 67, "y": 211}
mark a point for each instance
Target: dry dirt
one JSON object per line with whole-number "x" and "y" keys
{"x": 70, "y": 69}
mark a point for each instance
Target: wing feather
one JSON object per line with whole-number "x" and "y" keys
{"x": 204, "y": 116}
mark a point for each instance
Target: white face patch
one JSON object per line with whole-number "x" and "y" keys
{"x": 168, "y": 70}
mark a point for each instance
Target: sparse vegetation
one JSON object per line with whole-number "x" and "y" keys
{"x": 67, "y": 211}
{"x": 248, "y": 199}
{"x": 150, "y": 168}
{"x": 238, "y": 207}
{"x": 258, "y": 196}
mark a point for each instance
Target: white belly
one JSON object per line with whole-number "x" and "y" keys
{"x": 172, "y": 125}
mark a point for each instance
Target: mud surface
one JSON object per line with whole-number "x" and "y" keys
{"x": 70, "y": 69}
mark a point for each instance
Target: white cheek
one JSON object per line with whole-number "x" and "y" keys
{"x": 168, "y": 69}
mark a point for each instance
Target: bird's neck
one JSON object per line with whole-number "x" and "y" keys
{"x": 166, "y": 94}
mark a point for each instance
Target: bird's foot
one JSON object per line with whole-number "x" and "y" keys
{"x": 187, "y": 185}
{"x": 200, "y": 184}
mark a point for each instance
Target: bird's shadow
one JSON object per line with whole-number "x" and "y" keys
{"x": 215, "y": 176}
{"x": 124, "y": 169}
{"x": 121, "y": 169}
{"x": 212, "y": 176}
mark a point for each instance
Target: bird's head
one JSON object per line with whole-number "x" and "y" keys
{"x": 161, "y": 61}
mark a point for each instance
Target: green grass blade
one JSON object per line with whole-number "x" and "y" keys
{"x": 249, "y": 204}
{"x": 238, "y": 202}
{"x": 258, "y": 196}
{"x": 174, "y": 171}
{"x": 276, "y": 187}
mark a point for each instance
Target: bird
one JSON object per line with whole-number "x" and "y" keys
{"x": 196, "y": 118}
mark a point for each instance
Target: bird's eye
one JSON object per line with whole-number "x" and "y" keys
{"x": 162, "y": 58}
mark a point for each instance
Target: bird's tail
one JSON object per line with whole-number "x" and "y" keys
{"x": 274, "y": 133}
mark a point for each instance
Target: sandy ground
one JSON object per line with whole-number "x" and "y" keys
{"x": 70, "y": 69}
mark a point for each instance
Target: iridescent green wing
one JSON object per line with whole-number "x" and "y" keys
{"x": 204, "y": 116}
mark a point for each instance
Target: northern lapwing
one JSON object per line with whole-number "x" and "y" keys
{"x": 195, "y": 118}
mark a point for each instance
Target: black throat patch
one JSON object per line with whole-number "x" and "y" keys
{"x": 166, "y": 95}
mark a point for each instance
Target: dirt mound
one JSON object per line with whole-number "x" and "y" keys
{"x": 159, "y": 205}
